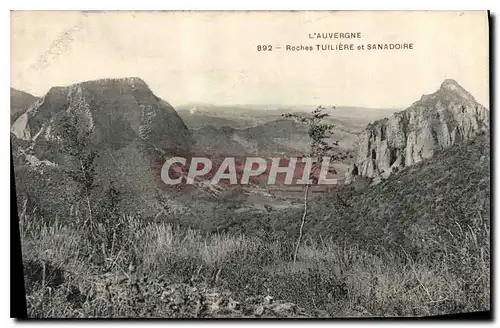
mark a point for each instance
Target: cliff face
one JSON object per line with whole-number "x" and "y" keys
{"x": 436, "y": 121}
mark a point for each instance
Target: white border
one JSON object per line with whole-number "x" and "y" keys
{"x": 189, "y": 5}
{"x": 254, "y": 5}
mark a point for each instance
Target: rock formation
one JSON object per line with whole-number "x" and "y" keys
{"x": 115, "y": 110}
{"x": 436, "y": 121}
{"x": 119, "y": 125}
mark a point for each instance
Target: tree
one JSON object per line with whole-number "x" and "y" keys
{"x": 320, "y": 146}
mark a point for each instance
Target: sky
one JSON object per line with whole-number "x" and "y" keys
{"x": 212, "y": 57}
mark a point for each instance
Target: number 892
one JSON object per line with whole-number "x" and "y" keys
{"x": 261, "y": 47}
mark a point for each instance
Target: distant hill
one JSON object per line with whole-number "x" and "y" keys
{"x": 196, "y": 116}
{"x": 261, "y": 129}
{"x": 280, "y": 136}
{"x": 200, "y": 116}
{"x": 20, "y": 101}
{"x": 199, "y": 120}
{"x": 360, "y": 115}
{"x": 210, "y": 139}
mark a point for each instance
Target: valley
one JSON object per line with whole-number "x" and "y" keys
{"x": 406, "y": 232}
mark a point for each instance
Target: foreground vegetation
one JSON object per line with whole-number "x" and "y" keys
{"x": 417, "y": 244}
{"x": 155, "y": 270}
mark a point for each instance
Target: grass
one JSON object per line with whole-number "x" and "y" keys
{"x": 417, "y": 244}
{"x": 64, "y": 279}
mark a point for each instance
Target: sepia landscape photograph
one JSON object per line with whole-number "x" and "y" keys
{"x": 244, "y": 164}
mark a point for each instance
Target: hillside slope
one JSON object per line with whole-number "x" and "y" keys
{"x": 449, "y": 191}
{"x": 277, "y": 137}
{"x": 412, "y": 209}
{"x": 428, "y": 226}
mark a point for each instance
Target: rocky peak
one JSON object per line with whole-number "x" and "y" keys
{"x": 436, "y": 121}
{"x": 116, "y": 111}
{"x": 120, "y": 121}
{"x": 451, "y": 86}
